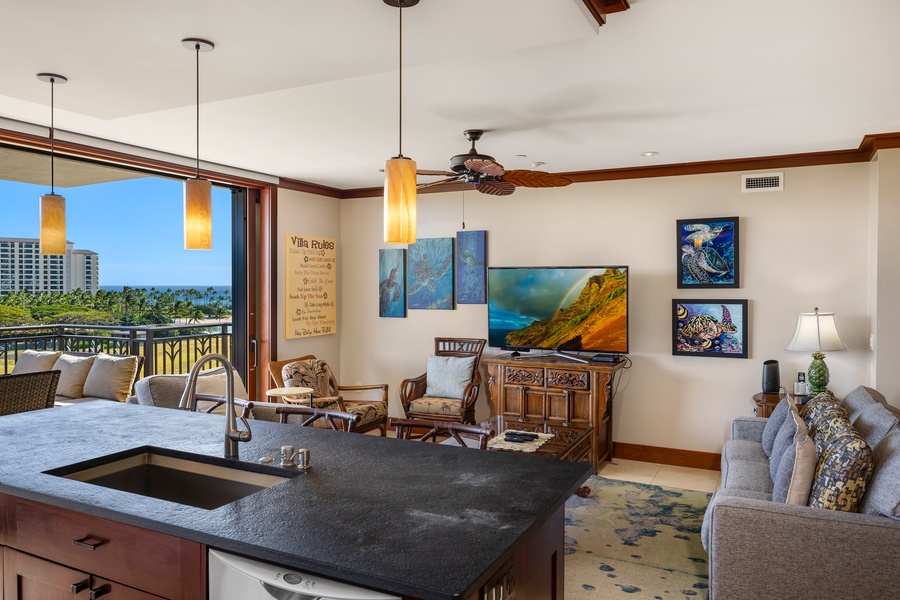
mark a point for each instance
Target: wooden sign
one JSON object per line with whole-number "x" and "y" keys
{"x": 310, "y": 286}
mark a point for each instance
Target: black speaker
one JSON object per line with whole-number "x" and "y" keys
{"x": 771, "y": 377}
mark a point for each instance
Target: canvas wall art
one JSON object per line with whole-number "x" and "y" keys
{"x": 430, "y": 275}
{"x": 708, "y": 253}
{"x": 392, "y": 283}
{"x": 471, "y": 267}
{"x": 715, "y": 328}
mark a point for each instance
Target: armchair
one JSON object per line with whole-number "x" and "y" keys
{"x": 309, "y": 371}
{"x": 452, "y": 393}
{"x": 22, "y": 392}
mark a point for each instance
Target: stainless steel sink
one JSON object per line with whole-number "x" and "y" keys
{"x": 192, "y": 479}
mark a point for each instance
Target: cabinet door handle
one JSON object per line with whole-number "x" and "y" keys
{"x": 80, "y": 586}
{"x": 99, "y": 591}
{"x": 90, "y": 545}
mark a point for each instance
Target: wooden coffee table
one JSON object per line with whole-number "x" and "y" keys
{"x": 570, "y": 442}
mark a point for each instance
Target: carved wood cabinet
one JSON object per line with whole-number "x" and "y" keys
{"x": 558, "y": 391}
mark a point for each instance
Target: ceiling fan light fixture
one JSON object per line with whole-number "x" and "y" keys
{"x": 197, "y": 191}
{"x": 53, "y": 206}
{"x": 400, "y": 171}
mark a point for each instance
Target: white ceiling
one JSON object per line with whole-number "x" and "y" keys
{"x": 308, "y": 90}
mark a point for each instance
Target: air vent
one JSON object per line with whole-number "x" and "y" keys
{"x": 762, "y": 182}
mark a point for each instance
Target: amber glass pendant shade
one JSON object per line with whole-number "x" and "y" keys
{"x": 53, "y": 224}
{"x": 400, "y": 201}
{"x": 197, "y": 214}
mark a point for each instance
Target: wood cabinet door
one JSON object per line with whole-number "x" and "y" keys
{"x": 26, "y": 577}
{"x": 116, "y": 591}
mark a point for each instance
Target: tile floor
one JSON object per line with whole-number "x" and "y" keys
{"x": 665, "y": 475}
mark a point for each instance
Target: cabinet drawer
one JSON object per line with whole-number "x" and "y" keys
{"x": 525, "y": 376}
{"x": 157, "y": 563}
{"x": 565, "y": 379}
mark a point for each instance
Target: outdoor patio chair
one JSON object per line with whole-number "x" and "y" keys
{"x": 27, "y": 391}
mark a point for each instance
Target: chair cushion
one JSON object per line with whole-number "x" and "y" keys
{"x": 436, "y": 406}
{"x": 843, "y": 470}
{"x": 111, "y": 377}
{"x": 860, "y": 399}
{"x": 73, "y": 372}
{"x": 31, "y": 361}
{"x": 793, "y": 479}
{"x": 214, "y": 382}
{"x": 873, "y": 423}
{"x": 776, "y": 420}
{"x": 311, "y": 373}
{"x": 883, "y": 491}
{"x": 369, "y": 412}
{"x": 448, "y": 376}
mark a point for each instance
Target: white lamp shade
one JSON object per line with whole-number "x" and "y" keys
{"x": 53, "y": 224}
{"x": 400, "y": 201}
{"x": 816, "y": 332}
{"x": 197, "y": 214}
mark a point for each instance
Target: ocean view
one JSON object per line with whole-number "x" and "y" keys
{"x": 220, "y": 289}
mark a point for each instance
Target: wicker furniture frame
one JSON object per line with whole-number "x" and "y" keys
{"x": 407, "y": 429}
{"x": 339, "y": 420}
{"x": 24, "y": 392}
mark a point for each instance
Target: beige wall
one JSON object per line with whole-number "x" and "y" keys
{"x": 886, "y": 328}
{"x": 801, "y": 248}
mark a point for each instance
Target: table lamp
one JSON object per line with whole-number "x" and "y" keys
{"x": 817, "y": 333}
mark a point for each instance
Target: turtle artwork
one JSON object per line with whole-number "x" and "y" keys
{"x": 708, "y": 253}
{"x": 710, "y": 328}
{"x": 471, "y": 270}
{"x": 430, "y": 277}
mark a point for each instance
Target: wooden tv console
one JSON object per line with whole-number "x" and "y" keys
{"x": 558, "y": 391}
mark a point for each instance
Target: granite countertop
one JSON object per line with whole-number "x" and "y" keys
{"x": 420, "y": 519}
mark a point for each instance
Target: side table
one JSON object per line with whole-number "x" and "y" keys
{"x": 766, "y": 403}
{"x": 289, "y": 394}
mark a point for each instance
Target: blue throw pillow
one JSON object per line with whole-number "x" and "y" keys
{"x": 448, "y": 376}
{"x": 776, "y": 420}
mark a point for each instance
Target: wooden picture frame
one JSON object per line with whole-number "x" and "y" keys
{"x": 708, "y": 253}
{"x": 715, "y": 328}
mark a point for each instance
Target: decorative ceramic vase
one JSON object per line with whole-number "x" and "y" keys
{"x": 818, "y": 374}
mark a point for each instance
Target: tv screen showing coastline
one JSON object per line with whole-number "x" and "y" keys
{"x": 559, "y": 308}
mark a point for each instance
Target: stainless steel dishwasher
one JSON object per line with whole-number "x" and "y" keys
{"x": 233, "y": 577}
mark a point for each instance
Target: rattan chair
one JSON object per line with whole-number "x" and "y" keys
{"x": 327, "y": 392}
{"x": 339, "y": 420}
{"x": 27, "y": 391}
{"x": 461, "y": 410}
{"x": 409, "y": 429}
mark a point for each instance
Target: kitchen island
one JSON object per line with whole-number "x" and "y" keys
{"x": 420, "y": 520}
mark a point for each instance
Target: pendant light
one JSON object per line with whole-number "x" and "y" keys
{"x": 400, "y": 171}
{"x": 197, "y": 191}
{"x": 53, "y": 206}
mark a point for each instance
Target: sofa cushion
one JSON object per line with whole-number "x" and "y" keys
{"x": 792, "y": 430}
{"x": 859, "y": 399}
{"x": 32, "y": 361}
{"x": 842, "y": 472}
{"x": 747, "y": 475}
{"x": 73, "y": 372}
{"x": 793, "y": 479}
{"x": 214, "y": 382}
{"x": 111, "y": 377}
{"x": 776, "y": 420}
{"x": 873, "y": 423}
{"x": 448, "y": 376}
{"x": 882, "y": 495}
{"x": 743, "y": 450}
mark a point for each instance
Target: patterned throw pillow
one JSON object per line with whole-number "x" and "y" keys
{"x": 843, "y": 470}
{"x": 790, "y": 431}
{"x": 794, "y": 477}
{"x": 776, "y": 420}
{"x": 817, "y": 403}
{"x": 831, "y": 423}
{"x": 311, "y": 373}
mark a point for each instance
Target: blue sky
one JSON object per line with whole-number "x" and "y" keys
{"x": 135, "y": 226}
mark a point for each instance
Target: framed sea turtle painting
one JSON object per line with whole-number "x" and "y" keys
{"x": 392, "y": 283}
{"x": 716, "y": 328}
{"x": 430, "y": 275}
{"x": 708, "y": 253}
{"x": 471, "y": 267}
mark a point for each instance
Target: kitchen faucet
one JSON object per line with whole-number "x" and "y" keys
{"x": 188, "y": 401}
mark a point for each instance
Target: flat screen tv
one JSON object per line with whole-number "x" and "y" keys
{"x": 569, "y": 309}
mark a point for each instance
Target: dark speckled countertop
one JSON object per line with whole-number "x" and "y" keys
{"x": 411, "y": 518}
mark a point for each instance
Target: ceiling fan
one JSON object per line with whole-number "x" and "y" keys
{"x": 489, "y": 176}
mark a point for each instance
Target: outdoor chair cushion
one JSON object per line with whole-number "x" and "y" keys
{"x": 31, "y": 361}
{"x": 111, "y": 377}
{"x": 73, "y": 372}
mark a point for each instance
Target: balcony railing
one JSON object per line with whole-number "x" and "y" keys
{"x": 169, "y": 349}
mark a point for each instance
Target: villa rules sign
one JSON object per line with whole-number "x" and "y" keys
{"x": 310, "y": 286}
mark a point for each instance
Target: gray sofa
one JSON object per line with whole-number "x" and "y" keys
{"x": 762, "y": 547}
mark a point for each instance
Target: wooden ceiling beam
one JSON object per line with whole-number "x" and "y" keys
{"x": 600, "y": 8}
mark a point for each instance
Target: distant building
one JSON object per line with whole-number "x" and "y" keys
{"x": 23, "y": 267}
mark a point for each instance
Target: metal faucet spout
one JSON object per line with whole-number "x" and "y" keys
{"x": 188, "y": 401}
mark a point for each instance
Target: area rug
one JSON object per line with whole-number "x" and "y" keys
{"x": 632, "y": 540}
